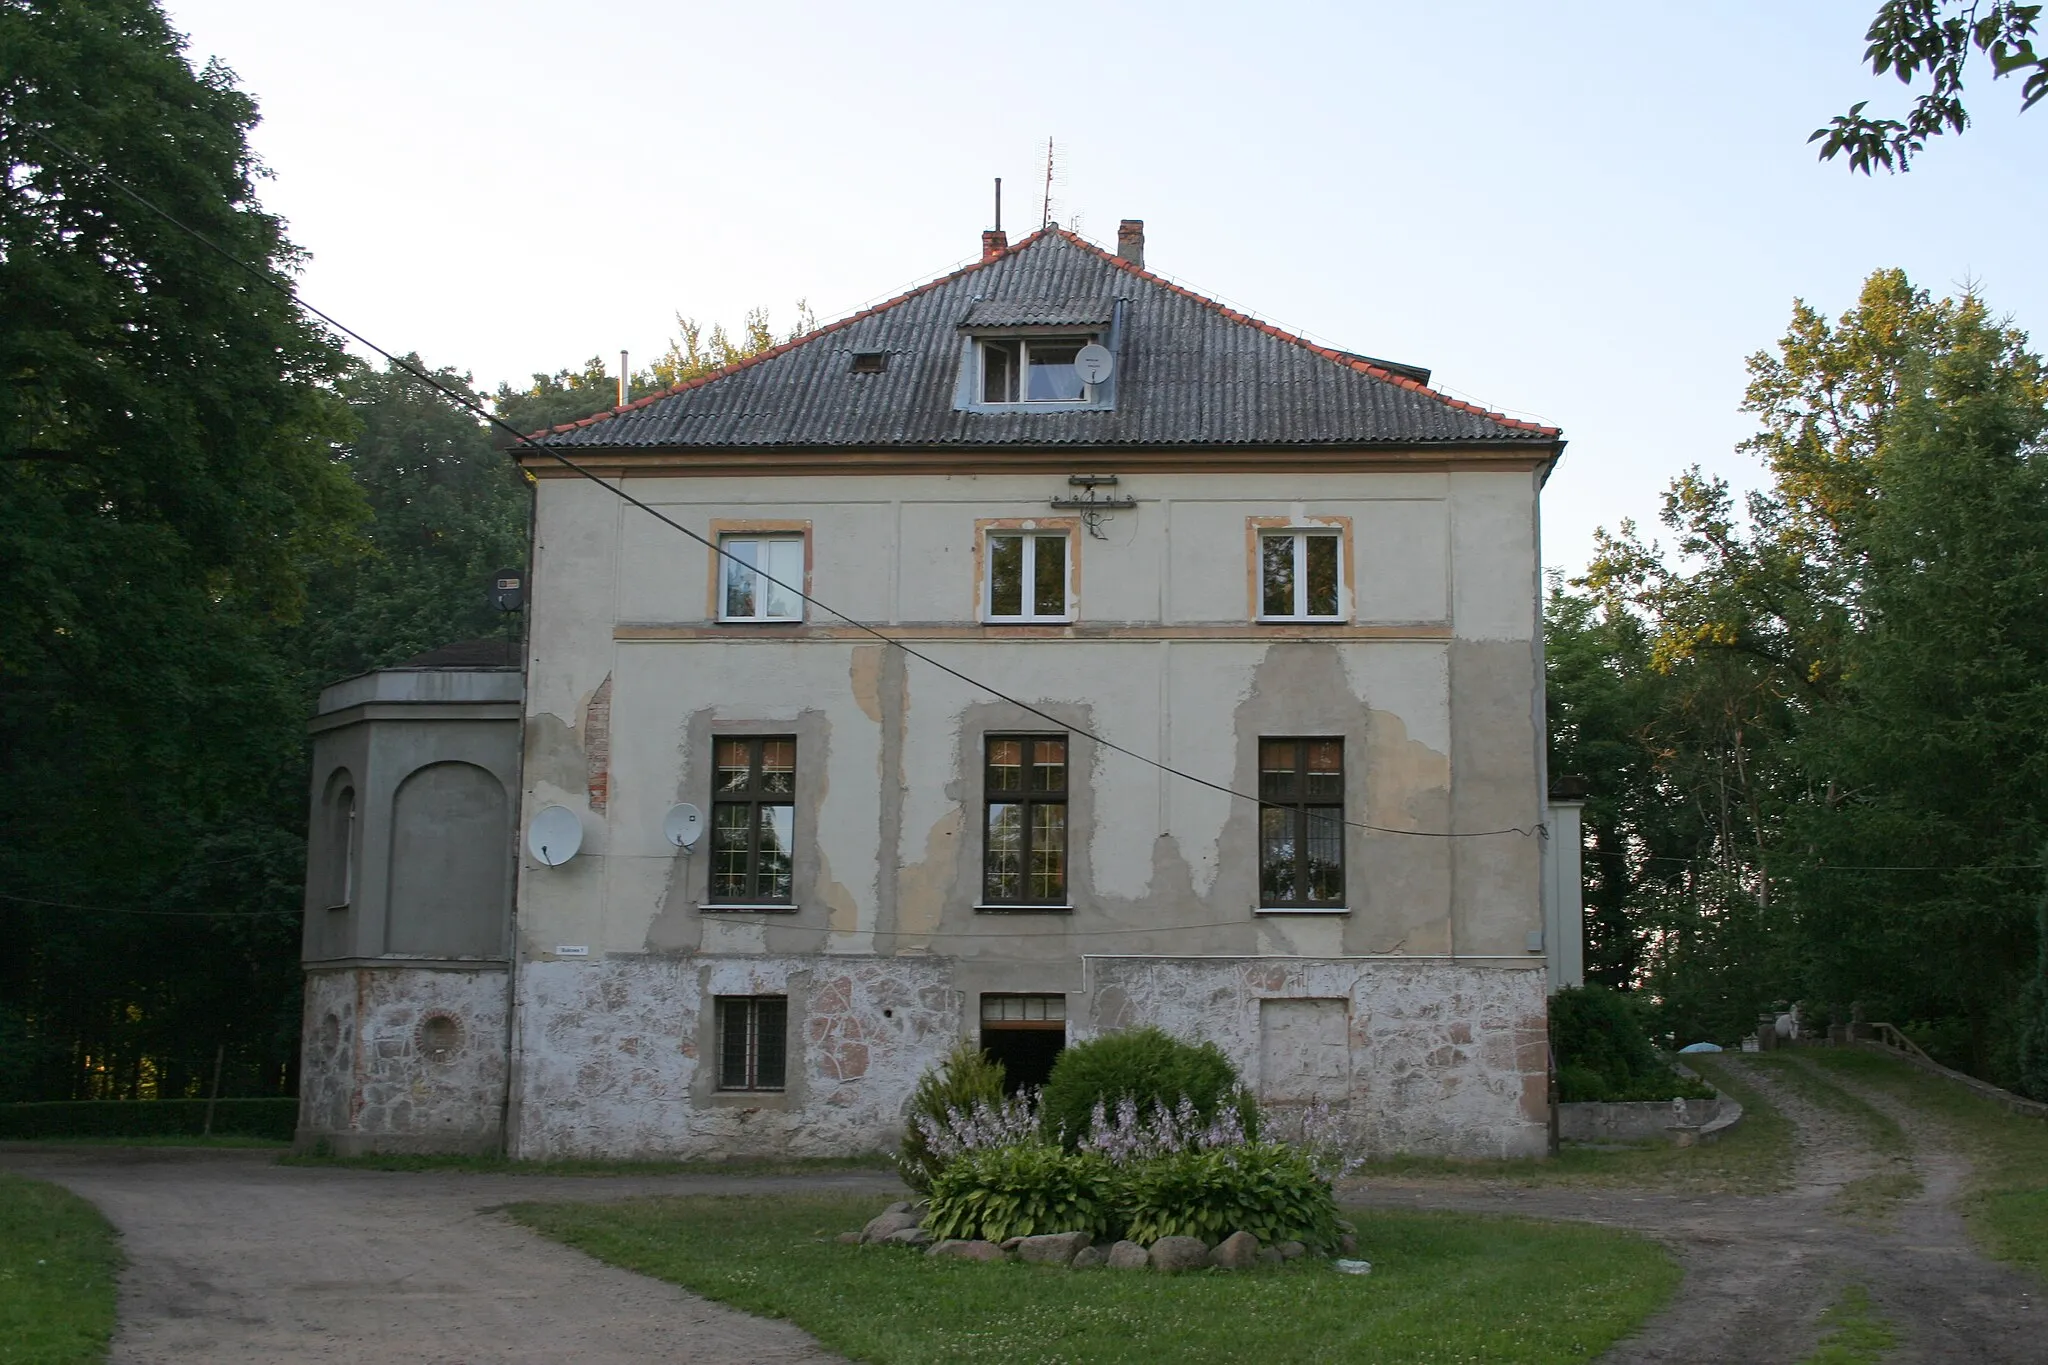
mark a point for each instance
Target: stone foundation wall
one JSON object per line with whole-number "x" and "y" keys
{"x": 1421, "y": 1057}
{"x": 617, "y": 1056}
{"x": 403, "y": 1059}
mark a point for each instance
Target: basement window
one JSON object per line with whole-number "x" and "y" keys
{"x": 1031, "y": 370}
{"x": 1026, "y": 1033}
{"x": 753, "y": 1041}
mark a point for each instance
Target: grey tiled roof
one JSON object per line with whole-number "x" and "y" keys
{"x": 1189, "y": 372}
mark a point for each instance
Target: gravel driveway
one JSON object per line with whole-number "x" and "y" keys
{"x": 232, "y": 1259}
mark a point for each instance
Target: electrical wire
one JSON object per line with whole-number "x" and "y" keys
{"x": 526, "y": 442}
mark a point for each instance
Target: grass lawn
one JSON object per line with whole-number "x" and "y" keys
{"x": 1855, "y": 1335}
{"x": 499, "y": 1165}
{"x": 1754, "y": 1157}
{"x": 2008, "y": 1205}
{"x": 57, "y": 1264}
{"x": 1444, "y": 1288}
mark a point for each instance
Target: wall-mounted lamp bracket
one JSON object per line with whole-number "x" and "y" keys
{"x": 1093, "y": 506}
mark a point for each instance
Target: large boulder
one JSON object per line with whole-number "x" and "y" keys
{"x": 1127, "y": 1256}
{"x": 1087, "y": 1258}
{"x": 1174, "y": 1254}
{"x": 1238, "y": 1251}
{"x": 1052, "y": 1248}
{"x": 964, "y": 1249}
{"x": 908, "y": 1237}
{"x": 888, "y": 1224}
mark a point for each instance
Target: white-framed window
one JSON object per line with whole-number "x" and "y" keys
{"x": 1027, "y": 576}
{"x": 760, "y": 577}
{"x": 1031, "y": 369}
{"x": 1301, "y": 575}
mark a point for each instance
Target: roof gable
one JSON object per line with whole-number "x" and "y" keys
{"x": 1190, "y": 372}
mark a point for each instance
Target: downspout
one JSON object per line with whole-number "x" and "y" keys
{"x": 508, "y": 1110}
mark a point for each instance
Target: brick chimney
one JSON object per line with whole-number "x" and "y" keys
{"x": 993, "y": 243}
{"x": 1130, "y": 241}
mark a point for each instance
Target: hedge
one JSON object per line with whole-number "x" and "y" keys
{"x": 264, "y": 1118}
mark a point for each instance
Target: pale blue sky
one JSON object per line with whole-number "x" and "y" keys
{"x": 1586, "y": 213}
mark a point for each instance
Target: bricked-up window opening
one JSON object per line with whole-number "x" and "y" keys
{"x": 1298, "y": 575}
{"x": 1026, "y": 1033}
{"x": 744, "y": 570}
{"x": 1301, "y": 829}
{"x": 753, "y": 820}
{"x": 1024, "y": 859}
{"x": 1027, "y": 576}
{"x": 753, "y": 1041}
{"x": 1032, "y": 370}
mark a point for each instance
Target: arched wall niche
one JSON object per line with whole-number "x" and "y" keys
{"x": 340, "y": 852}
{"x": 451, "y": 863}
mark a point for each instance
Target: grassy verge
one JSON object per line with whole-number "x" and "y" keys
{"x": 498, "y": 1165}
{"x": 2007, "y": 1207}
{"x": 1444, "y": 1287}
{"x": 1754, "y": 1157}
{"x": 1855, "y": 1335}
{"x": 57, "y": 1264}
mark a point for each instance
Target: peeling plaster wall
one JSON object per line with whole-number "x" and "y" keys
{"x": 1432, "y": 682}
{"x": 400, "y": 1059}
{"x": 1442, "y": 1058}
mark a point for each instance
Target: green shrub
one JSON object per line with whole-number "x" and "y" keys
{"x": 1265, "y": 1188}
{"x": 1146, "y": 1064}
{"x": 258, "y": 1118}
{"x": 966, "y": 1077}
{"x": 1001, "y": 1192}
{"x": 1604, "y": 1054}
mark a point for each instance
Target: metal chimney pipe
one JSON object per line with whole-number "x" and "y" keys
{"x": 624, "y": 383}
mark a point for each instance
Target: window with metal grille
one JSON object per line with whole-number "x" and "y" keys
{"x": 1301, "y": 823}
{"x": 753, "y": 1041}
{"x": 1299, "y": 573}
{"x": 1027, "y": 576}
{"x": 1024, "y": 788}
{"x": 753, "y": 820}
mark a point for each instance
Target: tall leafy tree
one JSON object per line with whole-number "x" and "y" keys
{"x": 166, "y": 434}
{"x": 447, "y": 509}
{"x": 1935, "y": 39}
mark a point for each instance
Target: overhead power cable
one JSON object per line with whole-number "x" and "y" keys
{"x": 524, "y": 441}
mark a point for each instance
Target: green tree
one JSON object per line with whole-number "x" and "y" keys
{"x": 166, "y": 479}
{"x": 571, "y": 395}
{"x": 447, "y": 509}
{"x": 1934, "y": 38}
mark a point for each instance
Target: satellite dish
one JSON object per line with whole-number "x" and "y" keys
{"x": 1094, "y": 363}
{"x": 508, "y": 590}
{"x": 555, "y": 835}
{"x": 684, "y": 825}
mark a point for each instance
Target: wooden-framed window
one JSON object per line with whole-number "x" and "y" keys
{"x": 756, "y": 576}
{"x": 1301, "y": 575}
{"x": 1024, "y": 789}
{"x": 753, "y": 820}
{"x": 1027, "y": 576}
{"x": 1301, "y": 824}
{"x": 753, "y": 1041}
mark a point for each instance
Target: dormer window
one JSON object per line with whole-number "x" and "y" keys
{"x": 1031, "y": 370}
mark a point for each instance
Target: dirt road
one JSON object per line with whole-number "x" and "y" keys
{"x": 234, "y": 1261}
{"x": 1760, "y": 1271}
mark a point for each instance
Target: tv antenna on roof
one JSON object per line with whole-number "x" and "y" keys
{"x": 1045, "y": 218}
